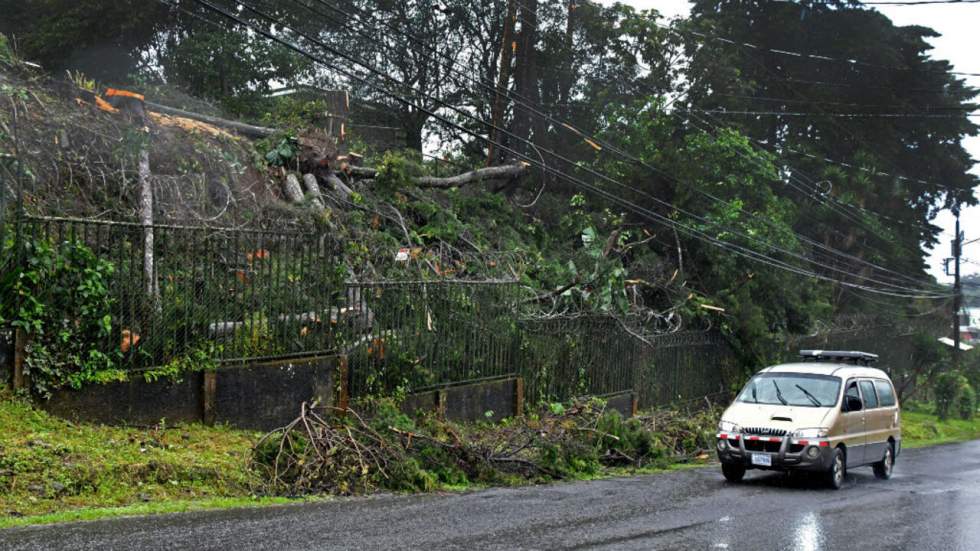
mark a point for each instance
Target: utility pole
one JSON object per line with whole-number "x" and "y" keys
{"x": 957, "y": 288}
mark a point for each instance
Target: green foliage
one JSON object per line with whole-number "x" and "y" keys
{"x": 204, "y": 358}
{"x": 396, "y": 171}
{"x": 948, "y": 389}
{"x": 966, "y": 402}
{"x": 278, "y": 150}
{"x": 48, "y": 464}
{"x": 60, "y": 297}
{"x": 6, "y": 52}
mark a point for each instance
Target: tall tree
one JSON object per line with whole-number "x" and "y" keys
{"x": 902, "y": 168}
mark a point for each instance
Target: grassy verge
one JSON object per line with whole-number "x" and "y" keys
{"x": 55, "y": 471}
{"x": 921, "y": 428}
{"x": 142, "y": 509}
{"x": 52, "y": 470}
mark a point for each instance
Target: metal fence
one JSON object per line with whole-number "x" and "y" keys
{"x": 241, "y": 295}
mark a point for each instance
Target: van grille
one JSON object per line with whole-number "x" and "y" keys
{"x": 762, "y": 446}
{"x": 765, "y": 431}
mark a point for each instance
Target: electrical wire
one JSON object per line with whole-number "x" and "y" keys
{"x": 566, "y": 125}
{"x": 737, "y": 249}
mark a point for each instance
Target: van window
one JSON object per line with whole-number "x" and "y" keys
{"x": 792, "y": 389}
{"x": 868, "y": 391}
{"x": 885, "y": 392}
{"x": 852, "y": 392}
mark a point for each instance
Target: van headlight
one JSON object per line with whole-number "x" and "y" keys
{"x": 725, "y": 426}
{"x": 810, "y": 433}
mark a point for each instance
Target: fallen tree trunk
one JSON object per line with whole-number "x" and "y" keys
{"x": 492, "y": 174}
{"x": 312, "y": 188}
{"x": 358, "y": 319}
{"x": 249, "y": 130}
{"x": 292, "y": 190}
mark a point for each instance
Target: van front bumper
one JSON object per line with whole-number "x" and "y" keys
{"x": 785, "y": 453}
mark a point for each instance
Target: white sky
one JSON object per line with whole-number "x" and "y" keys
{"x": 958, "y": 26}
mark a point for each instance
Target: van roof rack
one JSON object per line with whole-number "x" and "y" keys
{"x": 855, "y": 357}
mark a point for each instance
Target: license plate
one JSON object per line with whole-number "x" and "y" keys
{"x": 762, "y": 459}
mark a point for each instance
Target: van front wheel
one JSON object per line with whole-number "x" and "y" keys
{"x": 835, "y": 476}
{"x": 733, "y": 472}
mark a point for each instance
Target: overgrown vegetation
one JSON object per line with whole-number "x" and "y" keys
{"x": 49, "y": 465}
{"x": 52, "y": 470}
{"x": 61, "y": 299}
{"x": 354, "y": 454}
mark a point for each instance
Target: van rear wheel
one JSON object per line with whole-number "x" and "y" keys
{"x": 883, "y": 469}
{"x": 733, "y": 472}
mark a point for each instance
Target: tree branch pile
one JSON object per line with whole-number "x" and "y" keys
{"x": 328, "y": 451}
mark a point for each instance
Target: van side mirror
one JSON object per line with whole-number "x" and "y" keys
{"x": 853, "y": 403}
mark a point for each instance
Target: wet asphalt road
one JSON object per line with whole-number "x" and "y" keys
{"x": 932, "y": 502}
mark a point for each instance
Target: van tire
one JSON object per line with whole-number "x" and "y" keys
{"x": 835, "y": 476}
{"x": 733, "y": 472}
{"x": 883, "y": 469}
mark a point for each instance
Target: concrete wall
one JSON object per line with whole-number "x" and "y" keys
{"x": 492, "y": 400}
{"x": 259, "y": 396}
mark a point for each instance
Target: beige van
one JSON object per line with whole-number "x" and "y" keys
{"x": 829, "y": 413}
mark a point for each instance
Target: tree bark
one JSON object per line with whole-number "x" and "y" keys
{"x": 312, "y": 189}
{"x": 146, "y": 220}
{"x": 526, "y": 77}
{"x": 491, "y": 174}
{"x": 503, "y": 79}
{"x": 244, "y": 129}
{"x": 292, "y": 190}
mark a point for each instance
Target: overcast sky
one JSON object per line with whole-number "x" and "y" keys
{"x": 958, "y": 25}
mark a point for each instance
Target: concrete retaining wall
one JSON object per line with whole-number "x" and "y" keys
{"x": 259, "y": 396}
{"x": 492, "y": 400}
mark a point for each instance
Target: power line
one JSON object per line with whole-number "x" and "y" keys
{"x": 917, "y": 2}
{"x": 734, "y": 248}
{"x": 845, "y": 115}
{"x": 816, "y": 57}
{"x": 536, "y": 112}
{"x": 654, "y": 169}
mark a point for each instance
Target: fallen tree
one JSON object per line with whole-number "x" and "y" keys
{"x": 492, "y": 174}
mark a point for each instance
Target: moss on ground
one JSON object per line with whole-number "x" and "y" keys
{"x": 49, "y": 465}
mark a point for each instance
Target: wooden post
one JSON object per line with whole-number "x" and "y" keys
{"x": 442, "y": 396}
{"x": 210, "y": 389}
{"x": 20, "y": 381}
{"x": 519, "y": 397}
{"x": 343, "y": 383}
{"x": 636, "y": 405}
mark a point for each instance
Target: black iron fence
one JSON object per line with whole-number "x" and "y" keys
{"x": 237, "y": 295}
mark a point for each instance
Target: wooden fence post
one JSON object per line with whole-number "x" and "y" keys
{"x": 20, "y": 379}
{"x": 210, "y": 389}
{"x": 519, "y": 397}
{"x": 635, "y": 407}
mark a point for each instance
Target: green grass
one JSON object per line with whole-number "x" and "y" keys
{"x": 53, "y": 469}
{"x": 141, "y": 509}
{"x": 920, "y": 428}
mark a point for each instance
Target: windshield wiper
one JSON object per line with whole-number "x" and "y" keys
{"x": 779, "y": 393}
{"x": 810, "y": 396}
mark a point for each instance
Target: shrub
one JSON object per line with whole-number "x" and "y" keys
{"x": 966, "y": 404}
{"x": 947, "y": 389}
{"x": 64, "y": 304}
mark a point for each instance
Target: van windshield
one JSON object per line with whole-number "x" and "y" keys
{"x": 792, "y": 389}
